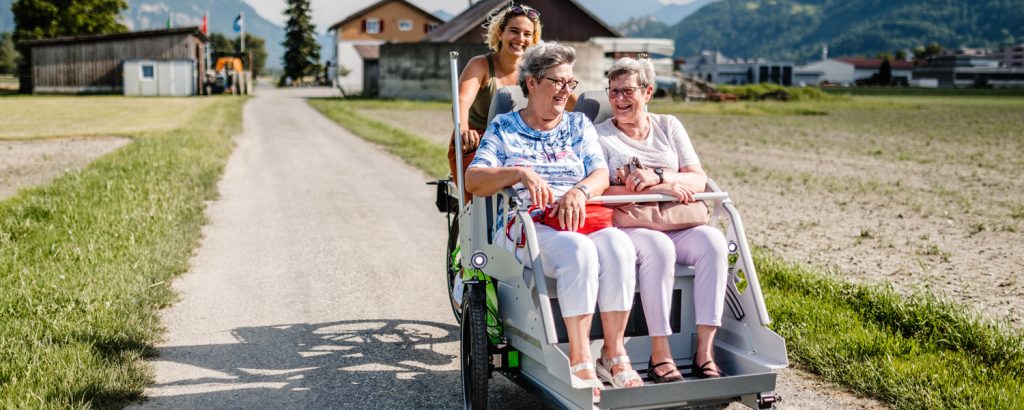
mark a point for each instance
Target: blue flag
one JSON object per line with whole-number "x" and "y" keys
{"x": 239, "y": 23}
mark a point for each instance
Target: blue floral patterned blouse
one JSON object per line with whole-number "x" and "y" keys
{"x": 562, "y": 156}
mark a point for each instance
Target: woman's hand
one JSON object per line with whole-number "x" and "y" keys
{"x": 470, "y": 140}
{"x": 641, "y": 179}
{"x": 571, "y": 210}
{"x": 676, "y": 189}
{"x": 540, "y": 191}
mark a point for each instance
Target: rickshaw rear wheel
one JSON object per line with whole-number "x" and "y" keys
{"x": 476, "y": 370}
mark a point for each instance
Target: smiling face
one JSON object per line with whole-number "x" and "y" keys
{"x": 628, "y": 108}
{"x": 546, "y": 98}
{"x": 517, "y": 36}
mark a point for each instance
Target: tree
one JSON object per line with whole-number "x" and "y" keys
{"x": 8, "y": 54}
{"x": 36, "y": 19}
{"x": 901, "y": 55}
{"x": 926, "y": 52}
{"x": 221, "y": 44}
{"x": 302, "y": 53}
{"x": 885, "y": 73}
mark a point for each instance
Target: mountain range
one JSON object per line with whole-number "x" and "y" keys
{"x": 774, "y": 29}
{"x": 154, "y": 14}
{"x": 616, "y": 12}
{"x": 798, "y": 29}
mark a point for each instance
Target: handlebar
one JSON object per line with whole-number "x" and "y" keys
{"x": 618, "y": 199}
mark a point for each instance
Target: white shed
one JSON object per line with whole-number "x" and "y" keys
{"x": 150, "y": 78}
{"x": 833, "y": 71}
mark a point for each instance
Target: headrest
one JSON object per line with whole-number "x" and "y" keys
{"x": 507, "y": 99}
{"x": 594, "y": 104}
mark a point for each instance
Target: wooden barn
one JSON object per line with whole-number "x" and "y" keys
{"x": 94, "y": 64}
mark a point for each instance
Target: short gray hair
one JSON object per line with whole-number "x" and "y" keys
{"x": 643, "y": 68}
{"x": 541, "y": 58}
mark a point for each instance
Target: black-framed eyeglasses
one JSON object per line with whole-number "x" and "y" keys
{"x": 521, "y": 10}
{"x": 559, "y": 84}
{"x": 624, "y": 91}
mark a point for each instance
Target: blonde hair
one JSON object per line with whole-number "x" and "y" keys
{"x": 496, "y": 23}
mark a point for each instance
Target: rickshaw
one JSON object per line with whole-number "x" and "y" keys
{"x": 510, "y": 322}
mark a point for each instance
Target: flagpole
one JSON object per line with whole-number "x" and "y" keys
{"x": 242, "y": 37}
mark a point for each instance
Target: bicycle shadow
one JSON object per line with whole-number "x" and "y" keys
{"x": 342, "y": 364}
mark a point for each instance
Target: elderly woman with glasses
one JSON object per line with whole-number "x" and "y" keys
{"x": 671, "y": 167}
{"x": 509, "y": 32}
{"x": 551, "y": 157}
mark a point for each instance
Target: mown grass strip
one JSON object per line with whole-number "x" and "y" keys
{"x": 913, "y": 352}
{"x": 86, "y": 262}
{"x": 418, "y": 152}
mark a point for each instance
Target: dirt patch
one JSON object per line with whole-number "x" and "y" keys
{"x": 30, "y": 163}
{"x": 936, "y": 219}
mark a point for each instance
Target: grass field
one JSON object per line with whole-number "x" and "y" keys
{"x": 886, "y": 227}
{"x": 86, "y": 261}
{"x": 42, "y": 117}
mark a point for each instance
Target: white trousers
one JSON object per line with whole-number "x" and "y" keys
{"x": 594, "y": 269}
{"x": 657, "y": 253}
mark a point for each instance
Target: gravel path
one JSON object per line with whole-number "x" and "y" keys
{"x": 318, "y": 283}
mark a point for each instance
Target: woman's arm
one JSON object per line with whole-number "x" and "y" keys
{"x": 482, "y": 181}
{"x": 472, "y": 78}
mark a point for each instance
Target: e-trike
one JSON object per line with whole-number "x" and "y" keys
{"x": 510, "y": 322}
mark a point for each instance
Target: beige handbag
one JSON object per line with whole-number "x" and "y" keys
{"x": 659, "y": 216}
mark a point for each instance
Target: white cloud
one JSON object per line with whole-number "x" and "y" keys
{"x": 666, "y": 2}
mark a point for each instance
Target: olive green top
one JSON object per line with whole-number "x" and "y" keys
{"x": 482, "y": 103}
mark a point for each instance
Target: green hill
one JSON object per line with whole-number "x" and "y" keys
{"x": 797, "y": 29}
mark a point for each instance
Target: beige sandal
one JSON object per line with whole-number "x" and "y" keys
{"x": 579, "y": 383}
{"x": 620, "y": 379}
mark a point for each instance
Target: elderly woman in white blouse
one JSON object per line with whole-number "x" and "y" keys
{"x": 671, "y": 168}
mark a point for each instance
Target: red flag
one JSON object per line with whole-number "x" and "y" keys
{"x": 203, "y": 26}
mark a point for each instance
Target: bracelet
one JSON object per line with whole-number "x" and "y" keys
{"x": 584, "y": 189}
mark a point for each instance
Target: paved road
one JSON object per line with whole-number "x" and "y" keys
{"x": 318, "y": 283}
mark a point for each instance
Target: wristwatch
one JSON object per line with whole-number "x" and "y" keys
{"x": 584, "y": 189}
{"x": 660, "y": 172}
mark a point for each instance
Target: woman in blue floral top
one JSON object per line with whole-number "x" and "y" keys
{"x": 553, "y": 160}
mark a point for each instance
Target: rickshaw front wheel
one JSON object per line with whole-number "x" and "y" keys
{"x": 476, "y": 366}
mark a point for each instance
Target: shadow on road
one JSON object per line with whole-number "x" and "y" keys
{"x": 344, "y": 364}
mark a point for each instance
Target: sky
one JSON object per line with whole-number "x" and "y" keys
{"x": 328, "y": 12}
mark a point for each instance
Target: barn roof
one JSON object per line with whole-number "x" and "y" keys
{"x": 373, "y": 6}
{"x": 475, "y": 15}
{"x": 116, "y": 36}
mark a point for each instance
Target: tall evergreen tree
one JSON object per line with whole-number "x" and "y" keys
{"x": 302, "y": 53}
{"x": 36, "y": 19}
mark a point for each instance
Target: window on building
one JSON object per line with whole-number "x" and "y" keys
{"x": 147, "y": 71}
{"x": 428, "y": 27}
{"x": 404, "y": 25}
{"x": 373, "y": 26}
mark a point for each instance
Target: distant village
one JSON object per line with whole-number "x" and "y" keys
{"x": 394, "y": 49}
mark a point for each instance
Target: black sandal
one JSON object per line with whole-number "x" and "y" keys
{"x": 704, "y": 372}
{"x": 663, "y": 378}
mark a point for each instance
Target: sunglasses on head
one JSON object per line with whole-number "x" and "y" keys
{"x": 521, "y": 10}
